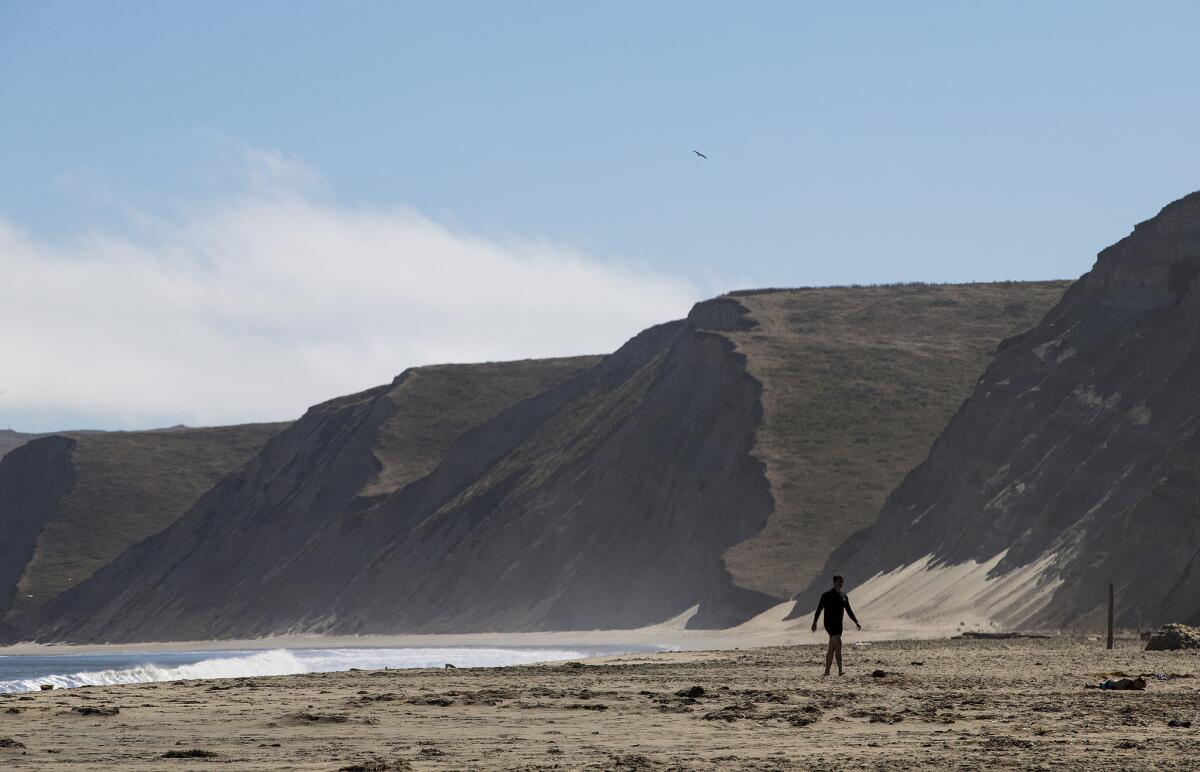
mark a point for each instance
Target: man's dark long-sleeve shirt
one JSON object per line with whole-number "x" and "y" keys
{"x": 834, "y": 604}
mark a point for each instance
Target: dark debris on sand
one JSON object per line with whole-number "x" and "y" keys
{"x": 376, "y": 765}
{"x": 193, "y": 753}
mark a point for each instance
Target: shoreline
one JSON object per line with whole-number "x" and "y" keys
{"x": 683, "y": 640}
{"x": 768, "y": 629}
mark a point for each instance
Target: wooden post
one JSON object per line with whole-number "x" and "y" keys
{"x": 1110, "y": 615}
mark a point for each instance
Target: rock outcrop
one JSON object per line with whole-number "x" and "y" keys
{"x": 1074, "y": 463}
{"x": 614, "y": 495}
{"x": 1173, "y": 637}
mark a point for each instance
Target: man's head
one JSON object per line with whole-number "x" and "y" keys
{"x": 838, "y": 581}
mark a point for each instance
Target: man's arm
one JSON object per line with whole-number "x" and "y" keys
{"x": 820, "y": 606}
{"x": 850, "y": 611}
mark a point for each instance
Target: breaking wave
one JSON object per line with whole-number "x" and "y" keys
{"x": 283, "y": 662}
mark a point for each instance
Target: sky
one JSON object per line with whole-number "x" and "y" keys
{"x": 227, "y": 211}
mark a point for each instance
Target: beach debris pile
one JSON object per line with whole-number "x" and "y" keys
{"x": 96, "y": 710}
{"x": 1174, "y": 636}
{"x": 1121, "y": 684}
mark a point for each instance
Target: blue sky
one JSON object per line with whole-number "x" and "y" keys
{"x": 869, "y": 142}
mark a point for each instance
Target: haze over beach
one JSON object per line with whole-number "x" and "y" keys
{"x": 614, "y": 386}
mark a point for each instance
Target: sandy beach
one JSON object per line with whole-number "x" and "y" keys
{"x": 1018, "y": 703}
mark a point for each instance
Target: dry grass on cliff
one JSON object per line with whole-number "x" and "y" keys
{"x": 437, "y": 404}
{"x": 857, "y": 384}
{"x": 127, "y": 486}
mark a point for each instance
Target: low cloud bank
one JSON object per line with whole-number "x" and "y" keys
{"x": 254, "y": 309}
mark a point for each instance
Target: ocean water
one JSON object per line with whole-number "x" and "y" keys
{"x": 26, "y": 673}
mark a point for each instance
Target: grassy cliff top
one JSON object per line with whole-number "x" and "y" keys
{"x": 857, "y": 383}
{"x": 126, "y": 486}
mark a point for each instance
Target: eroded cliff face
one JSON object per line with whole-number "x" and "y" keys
{"x": 1077, "y": 453}
{"x": 611, "y": 509}
{"x": 33, "y": 478}
{"x": 343, "y": 457}
{"x": 606, "y": 500}
{"x": 571, "y": 494}
{"x": 71, "y": 503}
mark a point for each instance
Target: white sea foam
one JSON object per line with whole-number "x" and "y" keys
{"x": 292, "y": 661}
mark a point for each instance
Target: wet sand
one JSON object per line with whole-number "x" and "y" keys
{"x": 942, "y": 704}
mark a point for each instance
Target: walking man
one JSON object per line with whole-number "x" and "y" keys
{"x": 834, "y": 602}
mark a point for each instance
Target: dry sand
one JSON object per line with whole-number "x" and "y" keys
{"x": 943, "y": 703}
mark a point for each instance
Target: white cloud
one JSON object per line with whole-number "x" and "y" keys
{"x": 259, "y": 307}
{"x": 269, "y": 171}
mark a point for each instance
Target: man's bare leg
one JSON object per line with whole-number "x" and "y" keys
{"x": 829, "y": 654}
{"x": 836, "y": 644}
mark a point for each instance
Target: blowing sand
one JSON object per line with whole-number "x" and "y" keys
{"x": 960, "y": 704}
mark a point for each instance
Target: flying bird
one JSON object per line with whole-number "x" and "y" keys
{"x": 697, "y": 152}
